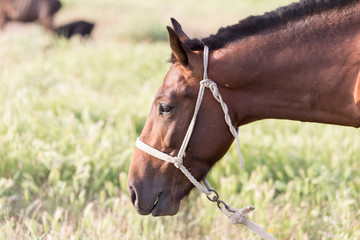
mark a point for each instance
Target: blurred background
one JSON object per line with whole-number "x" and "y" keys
{"x": 70, "y": 111}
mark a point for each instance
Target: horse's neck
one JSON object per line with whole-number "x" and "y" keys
{"x": 306, "y": 73}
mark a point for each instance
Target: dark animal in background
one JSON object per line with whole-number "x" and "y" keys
{"x": 81, "y": 28}
{"x": 29, "y": 11}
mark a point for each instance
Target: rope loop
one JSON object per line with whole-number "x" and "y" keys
{"x": 213, "y": 88}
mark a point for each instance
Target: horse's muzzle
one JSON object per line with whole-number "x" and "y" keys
{"x": 157, "y": 204}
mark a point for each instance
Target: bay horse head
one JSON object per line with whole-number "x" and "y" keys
{"x": 157, "y": 186}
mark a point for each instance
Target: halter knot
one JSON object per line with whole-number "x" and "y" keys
{"x": 178, "y": 162}
{"x": 238, "y": 218}
{"x": 207, "y": 82}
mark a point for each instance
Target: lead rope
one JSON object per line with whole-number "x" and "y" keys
{"x": 236, "y": 216}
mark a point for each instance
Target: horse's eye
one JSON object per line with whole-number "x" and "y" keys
{"x": 163, "y": 109}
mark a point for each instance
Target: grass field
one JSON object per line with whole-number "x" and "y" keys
{"x": 70, "y": 112}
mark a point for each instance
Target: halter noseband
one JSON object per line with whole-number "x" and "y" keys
{"x": 236, "y": 216}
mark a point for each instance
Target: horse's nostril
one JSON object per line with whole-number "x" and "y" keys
{"x": 132, "y": 195}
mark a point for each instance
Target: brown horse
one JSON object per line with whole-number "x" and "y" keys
{"x": 29, "y": 11}
{"x": 299, "y": 62}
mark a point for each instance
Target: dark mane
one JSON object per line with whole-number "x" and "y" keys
{"x": 255, "y": 24}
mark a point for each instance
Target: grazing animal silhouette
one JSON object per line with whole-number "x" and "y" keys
{"x": 29, "y": 11}
{"x": 82, "y": 28}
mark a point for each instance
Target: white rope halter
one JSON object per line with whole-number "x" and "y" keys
{"x": 236, "y": 216}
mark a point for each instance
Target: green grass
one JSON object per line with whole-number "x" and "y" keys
{"x": 70, "y": 112}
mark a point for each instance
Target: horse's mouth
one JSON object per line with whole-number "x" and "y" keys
{"x": 163, "y": 206}
{"x": 156, "y": 201}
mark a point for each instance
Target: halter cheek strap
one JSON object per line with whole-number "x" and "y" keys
{"x": 236, "y": 216}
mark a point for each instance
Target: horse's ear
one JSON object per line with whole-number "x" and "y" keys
{"x": 178, "y": 29}
{"x": 181, "y": 51}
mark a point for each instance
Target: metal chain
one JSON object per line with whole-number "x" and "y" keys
{"x": 216, "y": 198}
{"x": 237, "y": 216}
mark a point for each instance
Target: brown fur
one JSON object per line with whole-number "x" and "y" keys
{"x": 29, "y": 11}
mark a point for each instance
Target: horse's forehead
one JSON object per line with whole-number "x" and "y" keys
{"x": 175, "y": 79}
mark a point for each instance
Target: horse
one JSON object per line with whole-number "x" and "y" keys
{"x": 29, "y": 11}
{"x": 299, "y": 62}
{"x": 80, "y": 27}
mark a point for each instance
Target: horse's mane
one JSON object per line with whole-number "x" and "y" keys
{"x": 255, "y": 24}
